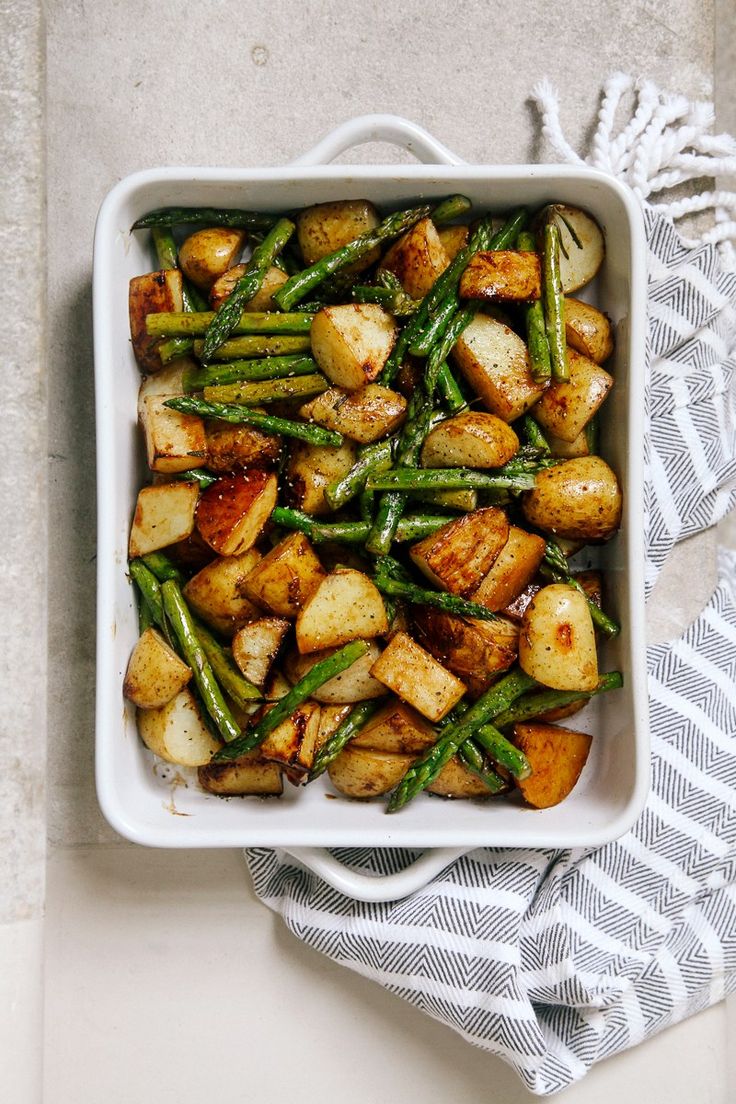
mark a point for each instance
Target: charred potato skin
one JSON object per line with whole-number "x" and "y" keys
{"x": 503, "y": 275}
{"x": 478, "y": 652}
{"x": 151, "y": 294}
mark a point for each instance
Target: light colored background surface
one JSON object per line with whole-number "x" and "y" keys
{"x": 163, "y": 974}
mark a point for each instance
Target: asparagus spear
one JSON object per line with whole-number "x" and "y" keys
{"x": 227, "y": 317}
{"x": 355, "y": 720}
{"x": 197, "y": 475}
{"x": 166, "y": 252}
{"x": 353, "y": 532}
{"x": 429, "y": 765}
{"x": 188, "y": 324}
{"x": 536, "y": 334}
{"x": 448, "y": 388}
{"x": 592, "y": 433}
{"x": 453, "y": 207}
{"x": 556, "y": 567}
{"x": 391, "y": 579}
{"x": 534, "y": 435}
{"x": 174, "y": 348}
{"x": 503, "y": 752}
{"x": 162, "y": 567}
{"x": 240, "y": 371}
{"x": 448, "y": 479}
{"x": 256, "y": 345}
{"x": 181, "y": 621}
{"x": 554, "y": 302}
{"x": 389, "y": 294}
{"x": 299, "y": 286}
{"x": 371, "y": 459}
{"x": 533, "y": 705}
{"x": 473, "y": 758}
{"x": 243, "y": 415}
{"x": 150, "y": 593}
{"x": 266, "y": 391}
{"x": 225, "y": 670}
{"x": 319, "y": 674}
{"x": 205, "y": 216}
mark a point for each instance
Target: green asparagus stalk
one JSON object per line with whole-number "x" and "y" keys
{"x": 225, "y": 670}
{"x": 389, "y": 294}
{"x": 299, "y": 286}
{"x": 554, "y": 302}
{"x": 321, "y": 673}
{"x": 243, "y": 415}
{"x": 471, "y": 755}
{"x": 556, "y": 567}
{"x": 503, "y": 752}
{"x": 181, "y": 622}
{"x": 536, "y": 333}
{"x": 448, "y": 479}
{"x": 390, "y": 578}
{"x": 498, "y": 698}
{"x": 592, "y": 433}
{"x": 149, "y": 589}
{"x": 162, "y": 567}
{"x": 355, "y": 720}
{"x": 205, "y": 216}
{"x": 451, "y": 208}
{"x": 228, "y": 316}
{"x": 448, "y": 388}
{"x": 174, "y": 348}
{"x": 167, "y": 254}
{"x": 529, "y": 706}
{"x": 201, "y": 476}
{"x": 241, "y": 371}
{"x": 371, "y": 459}
{"x": 534, "y": 435}
{"x": 266, "y": 391}
{"x": 184, "y": 324}
{"x": 460, "y": 320}
{"x": 256, "y": 345}
{"x": 412, "y": 527}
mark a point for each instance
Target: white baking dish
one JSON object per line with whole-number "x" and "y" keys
{"x": 138, "y": 799}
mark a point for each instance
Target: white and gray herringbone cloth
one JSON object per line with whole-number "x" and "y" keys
{"x": 554, "y": 960}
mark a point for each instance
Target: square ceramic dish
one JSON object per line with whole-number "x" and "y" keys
{"x": 136, "y": 798}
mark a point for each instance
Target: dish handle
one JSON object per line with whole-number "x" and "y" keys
{"x": 371, "y": 887}
{"x": 379, "y": 128}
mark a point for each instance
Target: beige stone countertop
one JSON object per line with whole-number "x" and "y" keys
{"x": 164, "y": 978}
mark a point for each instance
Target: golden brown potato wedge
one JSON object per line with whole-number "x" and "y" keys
{"x": 222, "y": 288}
{"x": 459, "y": 555}
{"x": 311, "y": 468}
{"x": 557, "y": 756}
{"x": 174, "y": 442}
{"x": 207, "y": 254}
{"x": 284, "y": 743}
{"x": 567, "y": 406}
{"x": 177, "y": 731}
{"x": 256, "y": 646}
{"x": 557, "y": 640}
{"x": 249, "y": 775}
{"x": 417, "y": 258}
{"x": 578, "y": 263}
{"x": 325, "y": 227}
{"x": 476, "y": 651}
{"x": 346, "y": 605}
{"x": 358, "y": 772}
{"x": 217, "y": 592}
{"x": 351, "y": 343}
{"x": 502, "y": 275}
{"x": 163, "y": 514}
{"x": 354, "y": 685}
{"x": 286, "y": 577}
{"x": 568, "y": 450}
{"x": 151, "y": 294}
{"x": 396, "y": 728}
{"x": 495, "y": 362}
{"x": 456, "y": 781}
{"x": 363, "y": 416}
{"x": 232, "y": 513}
{"x": 472, "y": 439}
{"x": 578, "y": 499}
{"x": 230, "y": 447}
{"x": 453, "y": 238}
{"x": 155, "y": 673}
{"x": 515, "y": 566}
{"x": 417, "y": 678}
{"x": 330, "y": 719}
{"x": 588, "y": 330}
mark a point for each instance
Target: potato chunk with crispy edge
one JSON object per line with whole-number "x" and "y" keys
{"x": 216, "y": 592}
{"x": 364, "y": 416}
{"x": 155, "y": 672}
{"x": 417, "y": 678}
{"x": 345, "y": 606}
{"x": 286, "y": 577}
{"x": 232, "y": 513}
{"x": 458, "y": 555}
{"x": 153, "y": 293}
{"x": 163, "y": 515}
{"x": 417, "y": 258}
{"x": 503, "y": 275}
{"x": 557, "y": 756}
{"x": 351, "y": 343}
{"x": 495, "y": 362}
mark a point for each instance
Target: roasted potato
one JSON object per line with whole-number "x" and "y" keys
{"x": 513, "y": 569}
{"x": 354, "y": 685}
{"x": 351, "y": 343}
{"x": 472, "y": 439}
{"x": 174, "y": 442}
{"x": 155, "y": 673}
{"x": 579, "y": 499}
{"x": 163, "y": 514}
{"x": 453, "y": 238}
{"x": 417, "y": 258}
{"x": 567, "y": 406}
{"x": 345, "y": 606}
{"x": 286, "y": 577}
{"x": 177, "y": 732}
{"x": 363, "y": 416}
{"x": 476, "y": 651}
{"x": 588, "y": 330}
{"x": 217, "y": 592}
{"x": 459, "y": 555}
{"x": 231, "y": 513}
{"x": 502, "y": 275}
{"x": 256, "y": 646}
{"x": 578, "y": 263}
{"x": 557, "y": 640}
{"x": 230, "y": 447}
{"x": 325, "y": 227}
{"x": 358, "y": 772}
{"x": 396, "y": 728}
{"x": 222, "y": 288}
{"x": 417, "y": 678}
{"x": 153, "y": 293}
{"x": 495, "y": 362}
{"x": 557, "y": 756}
{"x": 311, "y": 468}
{"x": 250, "y": 774}
{"x": 207, "y": 254}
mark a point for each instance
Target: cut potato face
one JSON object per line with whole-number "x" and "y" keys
{"x": 353, "y": 685}
{"x": 515, "y": 566}
{"x": 578, "y": 265}
{"x": 568, "y": 450}
{"x": 567, "y": 406}
{"x": 256, "y": 646}
{"x": 286, "y": 577}
{"x": 217, "y": 592}
{"x": 174, "y": 442}
{"x": 495, "y": 362}
{"x": 577, "y": 500}
{"x": 358, "y": 772}
{"x": 472, "y": 439}
{"x": 155, "y": 672}
{"x": 396, "y": 728}
{"x": 284, "y": 743}
{"x": 459, "y": 555}
{"x": 351, "y": 343}
{"x": 502, "y": 275}
{"x": 311, "y": 468}
{"x": 476, "y": 651}
{"x": 229, "y": 447}
{"x": 417, "y": 678}
{"x": 249, "y": 775}
{"x": 207, "y": 254}
{"x": 417, "y": 259}
{"x": 557, "y": 640}
{"x": 163, "y": 515}
{"x": 345, "y": 606}
{"x": 453, "y": 238}
{"x": 222, "y": 288}
{"x": 456, "y": 781}
{"x": 151, "y": 294}
{"x": 325, "y": 227}
{"x": 363, "y": 416}
{"x": 177, "y": 732}
{"x": 588, "y": 330}
{"x": 232, "y": 513}
{"x": 557, "y": 757}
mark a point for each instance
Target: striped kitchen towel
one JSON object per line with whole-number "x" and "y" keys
{"x": 554, "y": 960}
